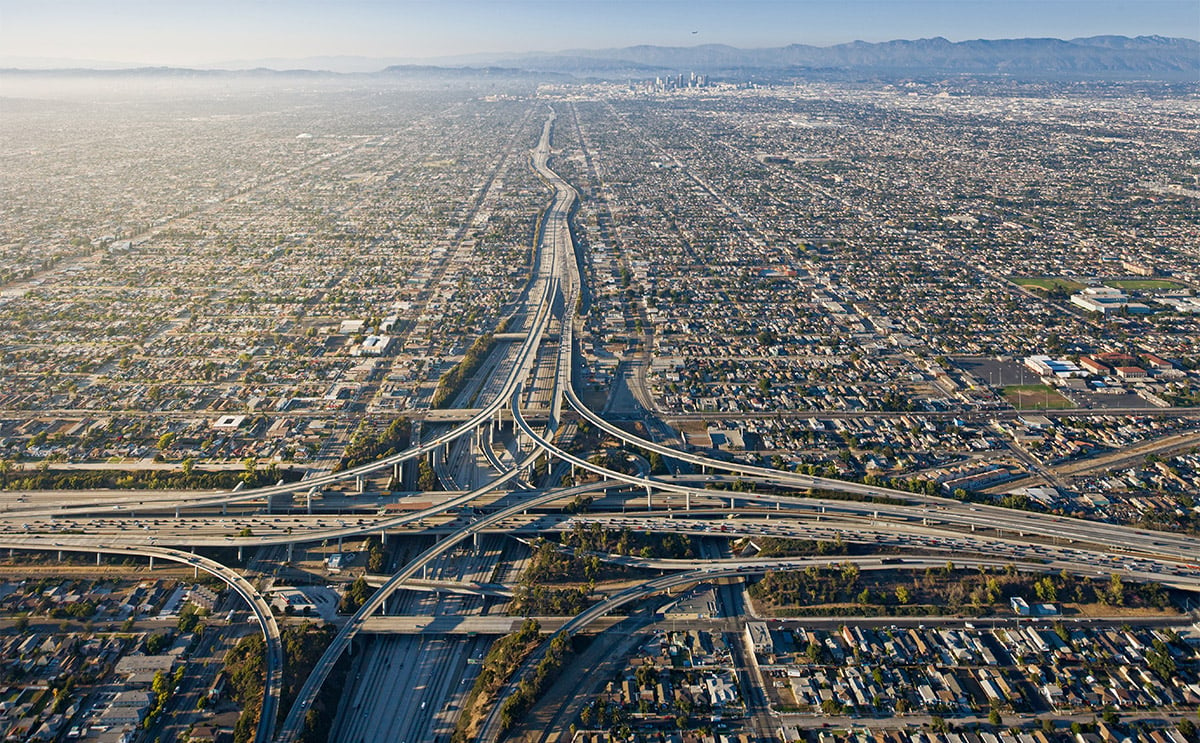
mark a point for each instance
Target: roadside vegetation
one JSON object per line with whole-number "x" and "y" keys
{"x": 536, "y": 681}
{"x": 45, "y": 478}
{"x": 502, "y": 660}
{"x": 245, "y": 667}
{"x": 453, "y": 381}
{"x": 367, "y": 446}
{"x": 560, "y": 581}
{"x": 846, "y": 591}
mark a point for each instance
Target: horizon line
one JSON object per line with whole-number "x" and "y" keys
{"x": 112, "y": 65}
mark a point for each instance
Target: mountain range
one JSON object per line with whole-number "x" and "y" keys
{"x": 1093, "y": 58}
{"x": 1096, "y": 57}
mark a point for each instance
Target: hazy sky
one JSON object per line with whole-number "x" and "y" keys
{"x": 211, "y": 31}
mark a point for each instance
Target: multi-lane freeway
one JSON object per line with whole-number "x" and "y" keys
{"x": 538, "y": 373}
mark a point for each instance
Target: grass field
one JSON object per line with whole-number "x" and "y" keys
{"x": 1143, "y": 284}
{"x": 1046, "y": 283}
{"x": 1035, "y": 397}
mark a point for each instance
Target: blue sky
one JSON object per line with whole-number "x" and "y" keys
{"x": 212, "y": 31}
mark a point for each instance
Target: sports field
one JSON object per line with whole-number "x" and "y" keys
{"x": 1035, "y": 397}
{"x": 1046, "y": 283}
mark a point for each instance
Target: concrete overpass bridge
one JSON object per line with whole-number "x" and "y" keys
{"x": 273, "y": 683}
{"x": 470, "y": 625}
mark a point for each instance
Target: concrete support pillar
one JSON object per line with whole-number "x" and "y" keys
{"x": 151, "y": 562}
{"x": 97, "y": 559}
{"x": 176, "y": 513}
{"x": 397, "y": 475}
{"x": 60, "y": 555}
{"x": 383, "y": 536}
{"x": 649, "y": 501}
{"x": 339, "y": 544}
{"x": 224, "y": 509}
{"x": 687, "y": 500}
{"x": 240, "y": 553}
{"x": 359, "y": 485}
{"x": 291, "y": 551}
{"x": 475, "y": 540}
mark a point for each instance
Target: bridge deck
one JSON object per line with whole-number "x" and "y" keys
{"x": 469, "y": 625}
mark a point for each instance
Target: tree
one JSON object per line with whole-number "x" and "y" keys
{"x": 939, "y": 724}
{"x": 1045, "y": 589}
{"x": 1116, "y": 590}
{"x": 994, "y": 717}
{"x": 427, "y": 479}
{"x": 376, "y": 555}
{"x": 189, "y": 618}
{"x": 1159, "y": 660}
{"x": 355, "y": 597}
{"x": 165, "y": 441}
{"x": 832, "y": 707}
{"x": 814, "y": 652}
{"x": 250, "y": 464}
{"x": 903, "y": 595}
{"x": 157, "y": 642}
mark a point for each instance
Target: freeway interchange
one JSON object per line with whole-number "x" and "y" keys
{"x": 931, "y": 529}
